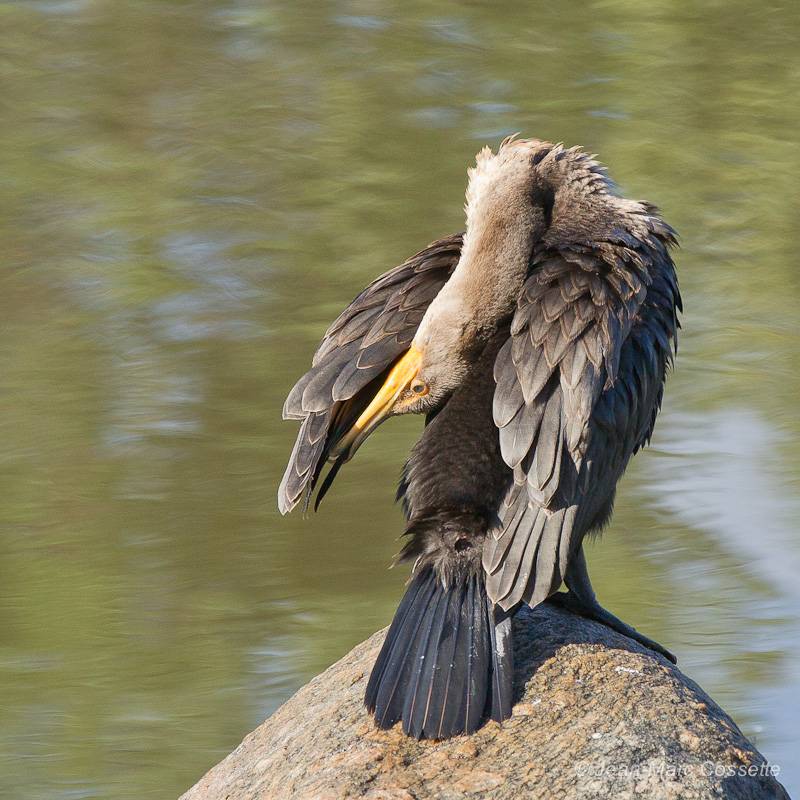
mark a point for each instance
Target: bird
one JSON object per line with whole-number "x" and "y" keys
{"x": 536, "y": 344}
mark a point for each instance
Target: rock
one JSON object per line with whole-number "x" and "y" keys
{"x": 596, "y": 716}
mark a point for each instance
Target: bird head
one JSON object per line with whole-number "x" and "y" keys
{"x": 419, "y": 382}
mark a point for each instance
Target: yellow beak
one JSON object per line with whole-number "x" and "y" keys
{"x": 398, "y": 379}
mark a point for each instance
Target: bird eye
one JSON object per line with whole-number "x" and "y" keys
{"x": 420, "y": 388}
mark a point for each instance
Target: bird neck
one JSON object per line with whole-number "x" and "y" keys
{"x": 492, "y": 268}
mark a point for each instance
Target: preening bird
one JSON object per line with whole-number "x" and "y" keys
{"x": 536, "y": 344}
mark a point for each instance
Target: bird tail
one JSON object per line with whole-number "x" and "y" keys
{"x": 446, "y": 662}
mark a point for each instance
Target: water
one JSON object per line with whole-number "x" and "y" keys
{"x": 190, "y": 192}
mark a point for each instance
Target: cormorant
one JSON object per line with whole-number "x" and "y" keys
{"x": 536, "y": 343}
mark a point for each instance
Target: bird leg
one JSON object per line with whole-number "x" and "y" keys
{"x": 580, "y": 599}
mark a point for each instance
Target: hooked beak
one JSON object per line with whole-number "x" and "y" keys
{"x": 399, "y": 379}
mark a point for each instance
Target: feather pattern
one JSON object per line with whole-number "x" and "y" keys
{"x": 578, "y": 385}
{"x": 359, "y": 348}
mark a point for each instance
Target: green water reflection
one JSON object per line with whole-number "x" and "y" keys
{"x": 190, "y": 191}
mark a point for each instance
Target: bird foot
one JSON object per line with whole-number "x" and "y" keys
{"x": 593, "y": 610}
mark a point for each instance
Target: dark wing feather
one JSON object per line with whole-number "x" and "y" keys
{"x": 579, "y": 384}
{"x": 359, "y": 348}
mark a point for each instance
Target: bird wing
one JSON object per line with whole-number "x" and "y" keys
{"x": 357, "y": 351}
{"x": 564, "y": 405}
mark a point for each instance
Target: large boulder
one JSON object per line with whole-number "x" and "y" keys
{"x": 596, "y": 716}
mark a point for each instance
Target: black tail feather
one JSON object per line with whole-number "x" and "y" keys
{"x": 446, "y": 662}
{"x": 390, "y": 689}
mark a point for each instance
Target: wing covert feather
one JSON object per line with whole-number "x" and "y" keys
{"x": 578, "y": 386}
{"x": 357, "y": 349}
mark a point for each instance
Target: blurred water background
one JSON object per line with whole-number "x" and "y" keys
{"x": 189, "y": 193}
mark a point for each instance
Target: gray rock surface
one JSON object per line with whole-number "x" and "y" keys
{"x": 596, "y": 716}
